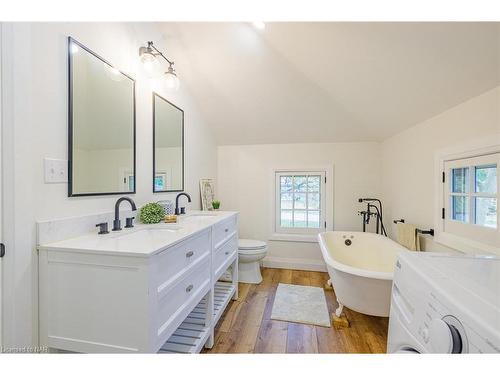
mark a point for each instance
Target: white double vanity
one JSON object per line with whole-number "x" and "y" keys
{"x": 151, "y": 288}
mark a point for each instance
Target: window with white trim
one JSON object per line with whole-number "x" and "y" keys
{"x": 300, "y": 202}
{"x": 471, "y": 198}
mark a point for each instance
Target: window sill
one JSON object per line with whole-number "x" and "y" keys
{"x": 464, "y": 245}
{"x": 312, "y": 238}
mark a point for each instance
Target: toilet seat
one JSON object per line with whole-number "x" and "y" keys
{"x": 262, "y": 250}
{"x": 247, "y": 245}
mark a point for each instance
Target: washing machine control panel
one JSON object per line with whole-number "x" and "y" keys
{"x": 435, "y": 322}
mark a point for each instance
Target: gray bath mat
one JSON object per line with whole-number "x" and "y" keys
{"x": 301, "y": 304}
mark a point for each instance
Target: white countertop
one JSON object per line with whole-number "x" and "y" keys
{"x": 144, "y": 239}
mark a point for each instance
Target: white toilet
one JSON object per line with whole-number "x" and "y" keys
{"x": 250, "y": 253}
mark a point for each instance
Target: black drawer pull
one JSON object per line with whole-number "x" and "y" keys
{"x": 226, "y": 230}
{"x": 189, "y": 288}
{"x": 189, "y": 254}
{"x": 227, "y": 252}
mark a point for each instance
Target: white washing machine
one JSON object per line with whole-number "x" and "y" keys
{"x": 445, "y": 303}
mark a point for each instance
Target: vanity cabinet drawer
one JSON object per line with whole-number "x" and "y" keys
{"x": 223, "y": 230}
{"x": 222, "y": 255}
{"x": 176, "y": 260}
{"x": 176, "y": 302}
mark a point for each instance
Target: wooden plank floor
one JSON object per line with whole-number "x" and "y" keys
{"x": 246, "y": 326}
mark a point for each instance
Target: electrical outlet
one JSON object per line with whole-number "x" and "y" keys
{"x": 56, "y": 171}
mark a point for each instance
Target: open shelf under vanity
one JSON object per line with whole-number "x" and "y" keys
{"x": 193, "y": 333}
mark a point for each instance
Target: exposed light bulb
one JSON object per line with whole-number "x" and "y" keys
{"x": 171, "y": 80}
{"x": 149, "y": 61}
{"x": 259, "y": 25}
{"x": 148, "y": 65}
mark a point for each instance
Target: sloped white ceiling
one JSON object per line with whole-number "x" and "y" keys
{"x": 330, "y": 82}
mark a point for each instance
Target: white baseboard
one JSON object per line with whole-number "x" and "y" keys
{"x": 295, "y": 264}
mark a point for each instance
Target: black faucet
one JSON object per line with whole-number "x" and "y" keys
{"x": 116, "y": 222}
{"x": 183, "y": 209}
{"x": 377, "y": 213}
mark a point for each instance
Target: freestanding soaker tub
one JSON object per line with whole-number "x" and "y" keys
{"x": 361, "y": 268}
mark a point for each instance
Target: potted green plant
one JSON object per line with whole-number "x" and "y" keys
{"x": 152, "y": 213}
{"x": 216, "y": 205}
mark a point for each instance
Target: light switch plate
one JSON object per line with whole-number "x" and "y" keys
{"x": 56, "y": 171}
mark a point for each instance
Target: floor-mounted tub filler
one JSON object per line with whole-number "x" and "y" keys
{"x": 361, "y": 269}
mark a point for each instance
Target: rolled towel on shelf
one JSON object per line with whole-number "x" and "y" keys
{"x": 407, "y": 236}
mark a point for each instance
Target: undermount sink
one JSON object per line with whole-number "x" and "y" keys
{"x": 150, "y": 231}
{"x": 201, "y": 215}
{"x": 161, "y": 229}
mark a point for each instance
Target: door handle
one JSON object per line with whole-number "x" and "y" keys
{"x": 2, "y": 250}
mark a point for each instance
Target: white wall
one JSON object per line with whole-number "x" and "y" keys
{"x": 408, "y": 158}
{"x": 245, "y": 183}
{"x": 38, "y": 106}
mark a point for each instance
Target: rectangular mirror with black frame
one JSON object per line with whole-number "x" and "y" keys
{"x": 168, "y": 146}
{"x": 101, "y": 125}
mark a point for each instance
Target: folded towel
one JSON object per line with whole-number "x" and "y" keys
{"x": 407, "y": 236}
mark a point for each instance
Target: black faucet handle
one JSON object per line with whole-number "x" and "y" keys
{"x": 129, "y": 222}
{"x": 103, "y": 228}
{"x": 117, "y": 225}
{"x": 183, "y": 210}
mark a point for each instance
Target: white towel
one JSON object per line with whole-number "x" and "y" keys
{"x": 407, "y": 236}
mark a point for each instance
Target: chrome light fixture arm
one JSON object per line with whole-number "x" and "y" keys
{"x": 150, "y": 48}
{"x": 158, "y": 52}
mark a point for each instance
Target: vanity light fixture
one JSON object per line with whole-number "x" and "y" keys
{"x": 149, "y": 58}
{"x": 171, "y": 79}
